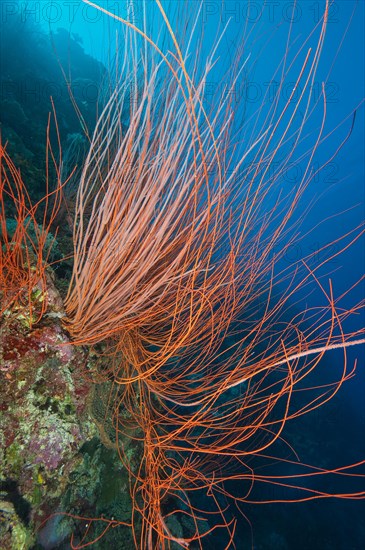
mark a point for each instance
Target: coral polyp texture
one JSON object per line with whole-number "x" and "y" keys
{"x": 147, "y": 394}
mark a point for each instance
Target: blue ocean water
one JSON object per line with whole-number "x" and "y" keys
{"x": 337, "y": 194}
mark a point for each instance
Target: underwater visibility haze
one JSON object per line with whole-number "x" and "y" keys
{"x": 182, "y": 275}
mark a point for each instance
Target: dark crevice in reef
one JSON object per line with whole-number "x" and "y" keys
{"x": 10, "y": 492}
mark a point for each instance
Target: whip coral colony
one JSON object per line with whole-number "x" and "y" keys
{"x": 177, "y": 272}
{"x": 25, "y": 250}
{"x": 174, "y": 252}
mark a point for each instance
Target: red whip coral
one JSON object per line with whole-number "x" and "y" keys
{"x": 25, "y": 251}
{"x": 174, "y": 250}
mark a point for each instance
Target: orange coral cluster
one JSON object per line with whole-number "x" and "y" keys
{"x": 24, "y": 252}
{"x": 175, "y": 266}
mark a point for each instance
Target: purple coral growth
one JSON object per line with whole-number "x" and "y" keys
{"x": 48, "y": 448}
